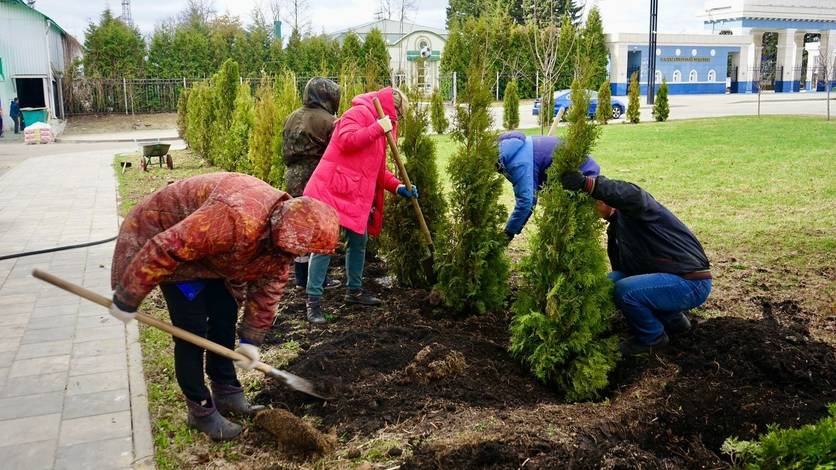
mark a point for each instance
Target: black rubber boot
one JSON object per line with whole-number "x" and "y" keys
{"x": 300, "y": 273}
{"x": 632, "y": 347}
{"x": 206, "y": 419}
{"x": 230, "y": 400}
{"x": 357, "y": 296}
{"x": 314, "y": 310}
{"x": 677, "y": 325}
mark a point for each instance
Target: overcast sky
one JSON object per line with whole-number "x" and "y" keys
{"x": 333, "y": 15}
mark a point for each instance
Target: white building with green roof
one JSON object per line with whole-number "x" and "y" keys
{"x": 405, "y": 41}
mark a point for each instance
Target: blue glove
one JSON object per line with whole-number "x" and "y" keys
{"x": 405, "y": 193}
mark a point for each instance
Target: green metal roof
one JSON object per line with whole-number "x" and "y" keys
{"x": 23, "y": 4}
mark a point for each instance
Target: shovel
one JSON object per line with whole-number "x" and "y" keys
{"x": 293, "y": 381}
{"x": 422, "y": 223}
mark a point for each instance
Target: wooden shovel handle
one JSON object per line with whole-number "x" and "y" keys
{"x": 393, "y": 146}
{"x": 149, "y": 320}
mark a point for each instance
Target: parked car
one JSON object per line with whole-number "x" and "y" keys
{"x": 563, "y": 99}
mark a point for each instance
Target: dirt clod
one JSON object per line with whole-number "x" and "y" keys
{"x": 395, "y": 452}
{"x": 423, "y": 369}
{"x": 295, "y": 437}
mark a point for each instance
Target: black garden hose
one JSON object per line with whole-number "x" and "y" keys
{"x": 59, "y": 248}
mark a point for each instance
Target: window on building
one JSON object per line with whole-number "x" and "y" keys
{"x": 677, "y": 76}
{"x": 692, "y": 77}
{"x": 712, "y": 76}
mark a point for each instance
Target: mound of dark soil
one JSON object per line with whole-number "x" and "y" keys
{"x": 462, "y": 402}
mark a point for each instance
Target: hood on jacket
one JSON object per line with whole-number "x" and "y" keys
{"x": 322, "y": 93}
{"x": 509, "y": 144}
{"x": 304, "y": 225}
{"x": 387, "y": 101}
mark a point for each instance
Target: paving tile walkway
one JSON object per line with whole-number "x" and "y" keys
{"x": 71, "y": 388}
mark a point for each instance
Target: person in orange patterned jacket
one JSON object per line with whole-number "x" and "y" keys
{"x": 213, "y": 242}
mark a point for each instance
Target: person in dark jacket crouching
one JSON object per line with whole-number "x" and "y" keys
{"x": 659, "y": 267}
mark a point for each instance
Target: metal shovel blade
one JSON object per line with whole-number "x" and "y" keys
{"x": 298, "y": 383}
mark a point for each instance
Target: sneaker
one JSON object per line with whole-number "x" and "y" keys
{"x": 358, "y": 296}
{"x": 677, "y": 325}
{"x": 314, "y": 311}
{"x": 632, "y": 346}
{"x": 331, "y": 283}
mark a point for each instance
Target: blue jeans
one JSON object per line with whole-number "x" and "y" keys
{"x": 648, "y": 301}
{"x": 355, "y": 259}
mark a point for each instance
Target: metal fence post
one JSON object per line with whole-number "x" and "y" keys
{"x": 537, "y": 84}
{"x": 184, "y": 83}
{"x": 497, "y": 86}
{"x": 455, "y": 80}
{"x": 125, "y": 93}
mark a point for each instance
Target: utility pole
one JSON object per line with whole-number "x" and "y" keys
{"x": 651, "y": 52}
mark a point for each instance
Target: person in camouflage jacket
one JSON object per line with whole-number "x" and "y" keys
{"x": 305, "y": 137}
{"x": 214, "y": 242}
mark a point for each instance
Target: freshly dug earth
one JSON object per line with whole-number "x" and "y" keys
{"x": 294, "y": 436}
{"x": 449, "y": 389}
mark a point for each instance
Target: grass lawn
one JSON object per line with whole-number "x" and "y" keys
{"x": 759, "y": 192}
{"x": 741, "y": 183}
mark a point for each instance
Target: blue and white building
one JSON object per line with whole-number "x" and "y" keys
{"x": 727, "y": 58}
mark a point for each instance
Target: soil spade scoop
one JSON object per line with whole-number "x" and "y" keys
{"x": 293, "y": 381}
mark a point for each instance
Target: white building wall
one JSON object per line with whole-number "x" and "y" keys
{"x": 22, "y": 36}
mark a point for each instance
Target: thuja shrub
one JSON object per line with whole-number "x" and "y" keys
{"x": 661, "y": 108}
{"x": 234, "y": 154}
{"x": 633, "y": 111}
{"x": 199, "y": 119}
{"x": 404, "y": 247}
{"x": 224, "y": 91}
{"x": 511, "y": 106}
{"x": 264, "y": 131}
{"x": 811, "y": 446}
{"x": 472, "y": 267}
{"x": 182, "y": 102}
{"x": 437, "y": 116}
{"x": 604, "y": 111}
{"x": 287, "y": 100}
{"x": 563, "y": 312}
{"x": 350, "y": 86}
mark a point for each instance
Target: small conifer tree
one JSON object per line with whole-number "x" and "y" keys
{"x": 511, "y": 106}
{"x": 287, "y": 100}
{"x": 661, "y": 108}
{"x": 563, "y": 313}
{"x": 234, "y": 156}
{"x": 633, "y": 112}
{"x": 473, "y": 269}
{"x": 403, "y": 243}
{"x": 199, "y": 119}
{"x": 182, "y": 102}
{"x": 350, "y": 86}
{"x": 603, "y": 112}
{"x": 224, "y": 91}
{"x": 437, "y": 116}
{"x": 264, "y": 131}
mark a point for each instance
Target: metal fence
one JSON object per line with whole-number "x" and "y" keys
{"x": 126, "y": 96}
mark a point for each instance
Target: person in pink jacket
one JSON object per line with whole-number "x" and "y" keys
{"x": 351, "y": 177}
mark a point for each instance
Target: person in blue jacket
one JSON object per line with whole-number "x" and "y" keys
{"x": 16, "y": 115}
{"x": 524, "y": 161}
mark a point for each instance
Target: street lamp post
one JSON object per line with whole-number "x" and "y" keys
{"x": 651, "y": 52}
